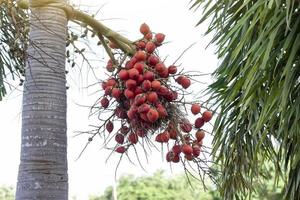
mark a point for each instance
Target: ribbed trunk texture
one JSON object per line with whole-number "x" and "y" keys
{"x": 43, "y": 163}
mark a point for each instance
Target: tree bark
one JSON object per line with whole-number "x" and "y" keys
{"x": 43, "y": 161}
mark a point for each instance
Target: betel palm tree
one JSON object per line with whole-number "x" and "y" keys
{"x": 43, "y": 167}
{"x": 256, "y": 91}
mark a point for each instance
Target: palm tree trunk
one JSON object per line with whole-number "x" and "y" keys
{"x": 43, "y": 161}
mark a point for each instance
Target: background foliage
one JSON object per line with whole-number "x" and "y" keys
{"x": 256, "y": 91}
{"x": 7, "y": 193}
{"x": 159, "y": 187}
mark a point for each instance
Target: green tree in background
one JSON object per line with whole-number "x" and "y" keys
{"x": 160, "y": 187}
{"x": 7, "y": 193}
{"x": 256, "y": 92}
{"x": 156, "y": 187}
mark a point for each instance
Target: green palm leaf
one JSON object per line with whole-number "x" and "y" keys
{"x": 257, "y": 91}
{"x": 13, "y": 41}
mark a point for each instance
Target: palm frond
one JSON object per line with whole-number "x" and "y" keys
{"x": 256, "y": 89}
{"x": 13, "y": 41}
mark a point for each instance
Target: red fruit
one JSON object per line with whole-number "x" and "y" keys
{"x": 139, "y": 66}
{"x": 200, "y": 135}
{"x": 162, "y": 111}
{"x": 104, "y": 102}
{"x": 119, "y": 138}
{"x": 111, "y": 82}
{"x": 155, "y": 85}
{"x": 131, "y": 114}
{"x": 148, "y": 36}
{"x": 152, "y": 115}
{"x": 164, "y": 73}
{"x": 141, "y": 45}
{"x": 107, "y": 90}
{"x": 186, "y": 126}
{"x": 152, "y": 60}
{"x": 160, "y": 67}
{"x": 120, "y": 149}
{"x": 152, "y": 97}
{"x": 186, "y": 149}
{"x": 103, "y": 85}
{"x": 109, "y": 126}
{"x": 123, "y": 74}
{"x": 139, "y": 99}
{"x": 146, "y": 85}
{"x": 149, "y": 76}
{"x": 169, "y": 156}
{"x": 159, "y": 38}
{"x": 207, "y": 115}
{"x": 195, "y": 109}
{"x": 133, "y": 138}
{"x": 174, "y": 95}
{"x": 185, "y": 82}
{"x": 163, "y": 91}
{"x": 140, "y": 55}
{"x": 162, "y": 137}
{"x": 130, "y": 84}
{"x": 144, "y": 108}
{"x": 169, "y": 96}
{"x": 116, "y": 93}
{"x": 150, "y": 47}
{"x": 179, "y": 79}
{"x": 133, "y": 73}
{"x": 196, "y": 150}
{"x": 176, "y": 149}
{"x": 189, "y": 156}
{"x": 141, "y": 133}
{"x": 165, "y": 136}
{"x": 144, "y": 117}
{"x": 120, "y": 112}
{"x": 173, "y": 134}
{"x": 109, "y": 62}
{"x": 140, "y": 79}
{"x": 138, "y": 90}
{"x": 129, "y": 64}
{"x": 199, "y": 122}
{"x": 172, "y": 69}
{"x": 158, "y": 138}
{"x": 110, "y": 66}
{"x": 144, "y": 29}
{"x": 124, "y": 130}
{"x": 176, "y": 159}
{"x": 129, "y": 94}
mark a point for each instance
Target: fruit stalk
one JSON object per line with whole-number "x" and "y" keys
{"x": 73, "y": 14}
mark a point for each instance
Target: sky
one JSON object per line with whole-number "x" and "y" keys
{"x": 91, "y": 174}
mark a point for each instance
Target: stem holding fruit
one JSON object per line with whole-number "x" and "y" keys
{"x": 140, "y": 95}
